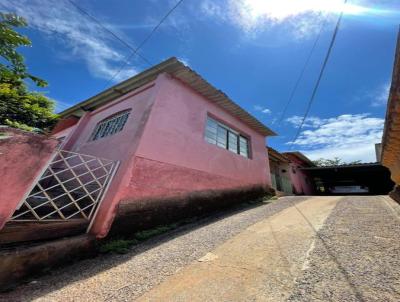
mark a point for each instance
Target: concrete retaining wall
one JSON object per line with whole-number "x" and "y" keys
{"x": 147, "y": 213}
{"x": 23, "y": 155}
{"x": 22, "y": 262}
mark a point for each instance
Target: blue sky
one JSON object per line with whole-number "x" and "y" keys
{"x": 253, "y": 50}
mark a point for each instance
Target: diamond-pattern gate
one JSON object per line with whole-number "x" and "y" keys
{"x": 71, "y": 187}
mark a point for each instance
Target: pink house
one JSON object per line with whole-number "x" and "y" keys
{"x": 301, "y": 181}
{"x": 161, "y": 142}
{"x": 280, "y": 167}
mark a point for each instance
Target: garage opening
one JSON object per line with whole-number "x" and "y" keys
{"x": 355, "y": 179}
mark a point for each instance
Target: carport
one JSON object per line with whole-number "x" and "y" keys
{"x": 365, "y": 178}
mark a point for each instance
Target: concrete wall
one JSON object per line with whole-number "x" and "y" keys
{"x": 177, "y": 174}
{"x": 21, "y": 263}
{"x": 64, "y": 133}
{"x": 282, "y": 170}
{"x": 301, "y": 183}
{"x": 173, "y": 158}
{"x": 162, "y": 149}
{"x": 65, "y": 123}
{"x": 173, "y": 141}
{"x": 120, "y": 146}
{"x": 23, "y": 155}
{"x": 115, "y": 147}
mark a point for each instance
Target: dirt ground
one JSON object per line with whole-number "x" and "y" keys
{"x": 295, "y": 249}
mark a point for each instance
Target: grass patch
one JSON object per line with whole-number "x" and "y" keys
{"x": 124, "y": 244}
{"x": 119, "y": 246}
{"x": 264, "y": 199}
{"x": 267, "y": 198}
{"x": 146, "y": 234}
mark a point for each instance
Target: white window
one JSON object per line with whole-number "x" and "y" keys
{"x": 110, "y": 125}
{"x": 221, "y": 135}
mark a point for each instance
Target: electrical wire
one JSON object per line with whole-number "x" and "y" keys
{"x": 319, "y": 77}
{"x": 144, "y": 41}
{"x": 300, "y": 77}
{"x": 122, "y": 41}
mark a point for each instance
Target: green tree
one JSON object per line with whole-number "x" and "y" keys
{"x": 20, "y": 107}
{"x": 336, "y": 161}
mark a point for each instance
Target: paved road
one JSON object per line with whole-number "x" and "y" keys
{"x": 295, "y": 249}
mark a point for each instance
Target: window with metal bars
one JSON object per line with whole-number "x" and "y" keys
{"x": 221, "y": 135}
{"x": 110, "y": 125}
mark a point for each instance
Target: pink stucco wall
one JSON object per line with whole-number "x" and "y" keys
{"x": 23, "y": 155}
{"x": 175, "y": 135}
{"x": 162, "y": 150}
{"x": 301, "y": 182}
{"x": 65, "y": 123}
{"x": 117, "y": 146}
{"x": 64, "y": 133}
{"x": 120, "y": 146}
{"x": 156, "y": 179}
{"x": 281, "y": 169}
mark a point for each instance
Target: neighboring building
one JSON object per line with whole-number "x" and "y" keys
{"x": 287, "y": 174}
{"x": 362, "y": 178}
{"x": 378, "y": 152}
{"x": 390, "y": 154}
{"x": 161, "y": 136}
{"x": 301, "y": 181}
{"x": 279, "y": 166}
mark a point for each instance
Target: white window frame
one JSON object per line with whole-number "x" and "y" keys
{"x": 212, "y": 135}
{"x": 110, "y": 125}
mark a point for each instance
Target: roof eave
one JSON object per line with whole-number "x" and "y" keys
{"x": 178, "y": 70}
{"x": 301, "y": 156}
{"x": 119, "y": 89}
{"x": 272, "y": 153}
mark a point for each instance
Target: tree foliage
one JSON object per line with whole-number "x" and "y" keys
{"x": 20, "y": 107}
{"x": 336, "y": 161}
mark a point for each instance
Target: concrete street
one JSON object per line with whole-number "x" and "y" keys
{"x": 294, "y": 249}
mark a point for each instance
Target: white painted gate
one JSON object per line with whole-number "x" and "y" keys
{"x": 71, "y": 187}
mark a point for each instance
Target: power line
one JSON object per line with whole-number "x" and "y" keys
{"x": 144, "y": 41}
{"x": 320, "y": 75}
{"x": 82, "y": 11}
{"x": 300, "y": 77}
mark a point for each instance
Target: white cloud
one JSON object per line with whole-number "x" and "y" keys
{"x": 304, "y": 17}
{"x": 184, "y": 60}
{"x": 364, "y": 152}
{"x": 349, "y": 136}
{"x": 83, "y": 39}
{"x": 311, "y": 121}
{"x": 262, "y": 109}
{"x": 380, "y": 96}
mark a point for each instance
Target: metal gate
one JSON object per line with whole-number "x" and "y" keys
{"x": 71, "y": 187}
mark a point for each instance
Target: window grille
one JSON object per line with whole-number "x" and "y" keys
{"x": 110, "y": 126}
{"x": 221, "y": 135}
{"x": 71, "y": 187}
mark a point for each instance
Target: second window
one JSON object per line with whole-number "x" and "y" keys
{"x": 225, "y": 137}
